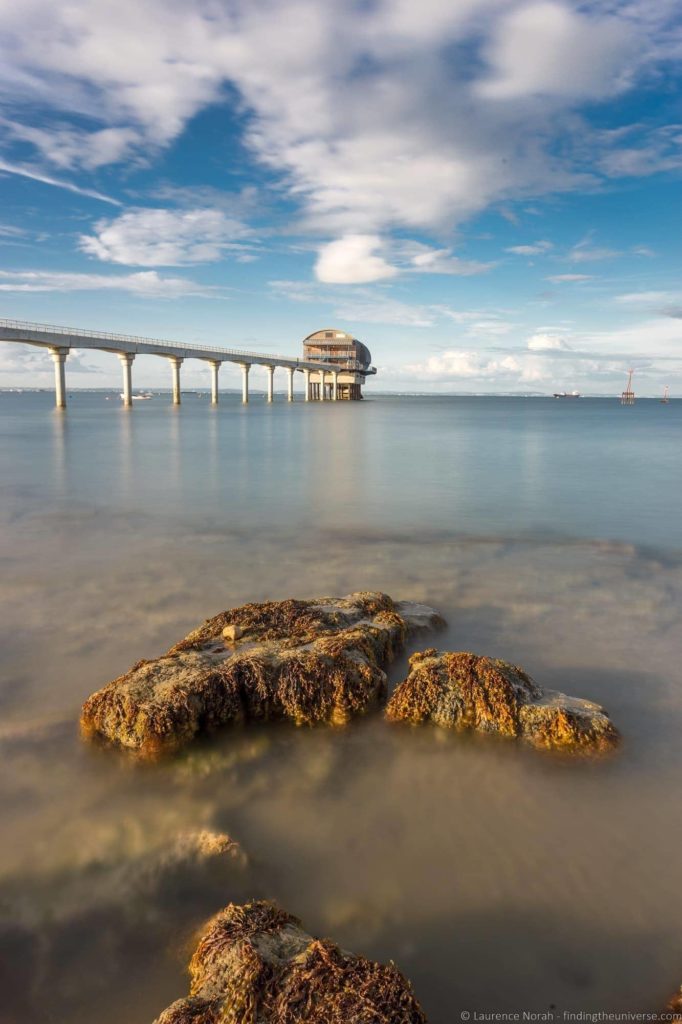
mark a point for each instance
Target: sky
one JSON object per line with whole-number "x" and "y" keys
{"x": 486, "y": 192}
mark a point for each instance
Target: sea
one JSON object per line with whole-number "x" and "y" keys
{"x": 498, "y": 879}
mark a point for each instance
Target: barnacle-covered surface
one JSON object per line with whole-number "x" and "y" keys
{"x": 460, "y": 690}
{"x": 254, "y": 964}
{"x": 319, "y": 661}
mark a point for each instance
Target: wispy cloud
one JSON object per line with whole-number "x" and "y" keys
{"x": 35, "y": 174}
{"x": 359, "y": 113}
{"x": 360, "y": 259}
{"x": 532, "y": 249}
{"x": 145, "y": 284}
{"x": 167, "y": 238}
{"x": 568, "y": 278}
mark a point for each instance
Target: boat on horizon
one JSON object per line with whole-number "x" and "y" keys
{"x": 566, "y": 394}
{"x": 665, "y": 399}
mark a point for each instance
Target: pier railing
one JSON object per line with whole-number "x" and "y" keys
{"x": 134, "y": 339}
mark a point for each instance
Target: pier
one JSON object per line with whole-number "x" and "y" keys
{"x": 324, "y": 378}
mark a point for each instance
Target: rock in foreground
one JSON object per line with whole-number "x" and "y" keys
{"x": 306, "y": 661}
{"x": 123, "y": 894}
{"x": 463, "y": 691}
{"x": 254, "y": 963}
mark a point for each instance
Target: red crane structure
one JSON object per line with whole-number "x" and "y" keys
{"x": 628, "y": 396}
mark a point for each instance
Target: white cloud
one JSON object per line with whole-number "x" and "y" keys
{"x": 534, "y": 249}
{"x": 549, "y": 368}
{"x": 546, "y": 343}
{"x": 362, "y": 305}
{"x": 465, "y": 364}
{"x": 353, "y": 259}
{"x": 67, "y": 148}
{"x": 567, "y": 278}
{"x": 354, "y": 304}
{"x": 420, "y": 258}
{"x": 146, "y": 283}
{"x": 491, "y": 327}
{"x": 359, "y": 109}
{"x": 169, "y": 238}
{"x": 20, "y": 359}
{"x": 584, "y": 253}
{"x": 646, "y": 298}
{"x": 360, "y": 259}
{"x": 665, "y": 303}
{"x": 546, "y": 49}
{"x": 645, "y": 151}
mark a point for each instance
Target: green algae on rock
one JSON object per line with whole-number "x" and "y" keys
{"x": 462, "y": 691}
{"x": 254, "y": 964}
{"x": 318, "y": 661}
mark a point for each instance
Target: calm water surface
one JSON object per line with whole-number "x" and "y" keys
{"x": 548, "y": 533}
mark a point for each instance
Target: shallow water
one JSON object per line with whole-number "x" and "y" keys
{"x": 546, "y": 532}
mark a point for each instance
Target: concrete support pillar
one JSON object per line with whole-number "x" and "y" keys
{"x": 176, "y": 363}
{"x": 215, "y": 367}
{"x": 306, "y": 381}
{"x": 245, "y": 382}
{"x": 271, "y": 376}
{"x": 59, "y": 356}
{"x": 290, "y": 383}
{"x": 127, "y": 367}
{"x": 335, "y": 390}
{"x": 322, "y": 385}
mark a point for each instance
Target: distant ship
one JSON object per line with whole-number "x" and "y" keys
{"x": 566, "y": 394}
{"x": 665, "y": 399}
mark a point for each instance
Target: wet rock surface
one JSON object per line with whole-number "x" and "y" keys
{"x": 462, "y": 691}
{"x": 317, "y": 661}
{"x": 254, "y": 963}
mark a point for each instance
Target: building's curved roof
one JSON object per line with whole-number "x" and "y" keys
{"x": 362, "y": 353}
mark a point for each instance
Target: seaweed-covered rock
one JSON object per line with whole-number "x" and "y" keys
{"x": 463, "y": 691}
{"x": 254, "y": 964}
{"x": 306, "y": 661}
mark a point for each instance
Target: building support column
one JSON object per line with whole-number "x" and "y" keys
{"x": 271, "y": 376}
{"x": 126, "y": 365}
{"x": 306, "y": 381}
{"x": 176, "y": 363}
{"x": 290, "y": 383}
{"x": 335, "y": 387}
{"x": 215, "y": 367}
{"x": 322, "y": 385}
{"x": 59, "y": 356}
{"x": 245, "y": 382}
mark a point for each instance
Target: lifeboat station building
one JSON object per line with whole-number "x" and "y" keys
{"x": 336, "y": 349}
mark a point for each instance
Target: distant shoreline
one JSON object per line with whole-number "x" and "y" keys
{"x": 376, "y": 394}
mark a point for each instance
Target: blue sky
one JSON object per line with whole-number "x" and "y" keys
{"x": 486, "y": 192}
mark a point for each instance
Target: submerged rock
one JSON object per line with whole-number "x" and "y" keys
{"x": 306, "y": 661}
{"x": 254, "y": 963}
{"x": 93, "y": 921}
{"x": 463, "y": 691}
